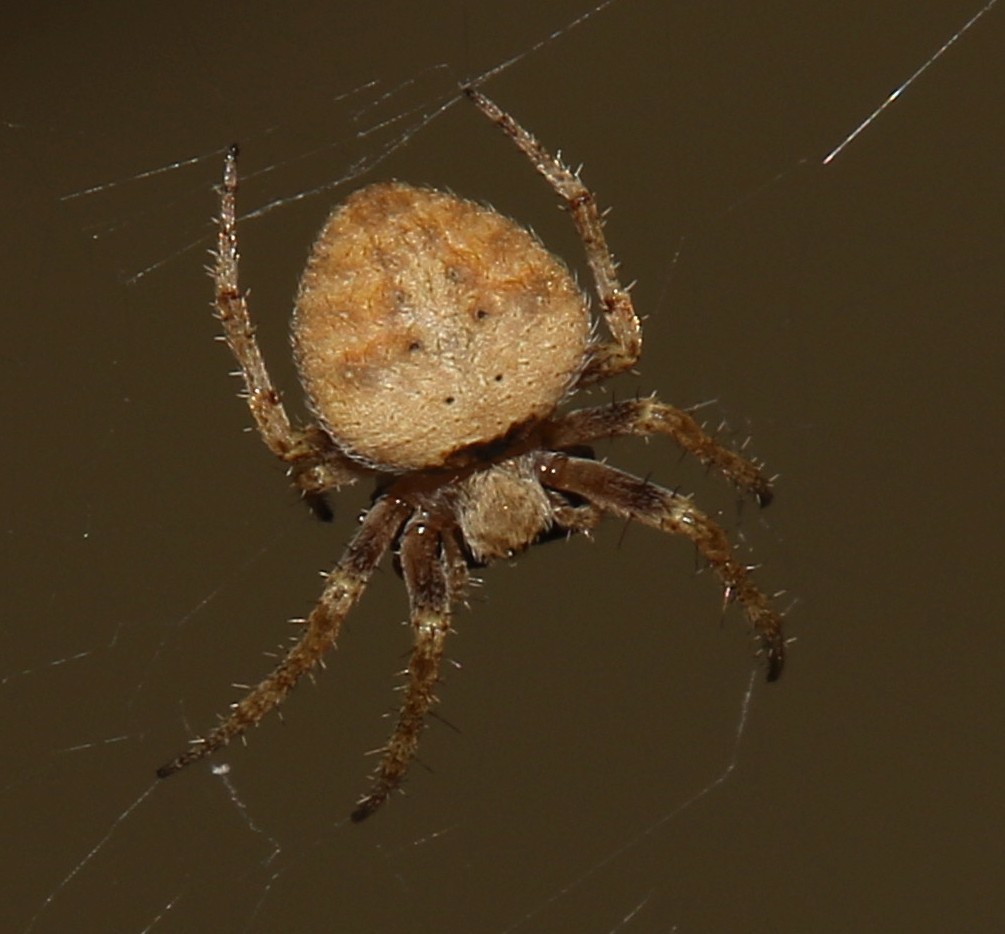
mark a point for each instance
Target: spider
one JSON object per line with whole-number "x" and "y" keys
{"x": 435, "y": 341}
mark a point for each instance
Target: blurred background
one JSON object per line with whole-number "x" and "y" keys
{"x": 599, "y": 769}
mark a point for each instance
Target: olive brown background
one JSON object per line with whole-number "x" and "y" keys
{"x": 849, "y": 318}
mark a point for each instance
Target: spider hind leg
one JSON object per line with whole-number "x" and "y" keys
{"x": 621, "y": 352}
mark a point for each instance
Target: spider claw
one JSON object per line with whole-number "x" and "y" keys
{"x": 364, "y": 808}
{"x": 775, "y": 652}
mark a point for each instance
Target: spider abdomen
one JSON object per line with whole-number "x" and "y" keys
{"x": 426, "y": 324}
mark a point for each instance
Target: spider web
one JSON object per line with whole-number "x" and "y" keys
{"x": 607, "y": 760}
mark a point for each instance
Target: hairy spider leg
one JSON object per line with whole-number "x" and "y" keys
{"x": 640, "y": 417}
{"x": 607, "y": 358}
{"x": 428, "y": 568}
{"x": 629, "y": 497}
{"x": 344, "y": 585}
{"x": 317, "y": 465}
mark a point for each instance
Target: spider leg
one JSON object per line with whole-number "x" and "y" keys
{"x": 569, "y": 518}
{"x": 607, "y": 358}
{"x": 318, "y": 465}
{"x": 456, "y": 564}
{"x": 650, "y": 416}
{"x": 344, "y": 585}
{"x": 630, "y": 497}
{"x": 429, "y": 568}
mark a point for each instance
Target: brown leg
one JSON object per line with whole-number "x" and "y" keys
{"x": 624, "y": 495}
{"x": 649, "y": 417}
{"x": 456, "y": 565}
{"x": 609, "y": 357}
{"x": 320, "y": 465}
{"x": 426, "y": 567}
{"x": 343, "y": 588}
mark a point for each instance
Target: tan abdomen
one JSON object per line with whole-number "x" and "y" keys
{"x": 426, "y": 324}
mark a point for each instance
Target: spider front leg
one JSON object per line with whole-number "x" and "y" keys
{"x": 629, "y": 497}
{"x": 429, "y": 567}
{"x": 649, "y": 417}
{"x": 607, "y": 358}
{"x": 317, "y": 466}
{"x": 343, "y": 588}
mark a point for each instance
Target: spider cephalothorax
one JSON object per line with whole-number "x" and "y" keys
{"x": 435, "y": 341}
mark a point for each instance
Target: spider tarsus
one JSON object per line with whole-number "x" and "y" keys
{"x": 364, "y": 809}
{"x": 166, "y": 771}
{"x": 775, "y": 652}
